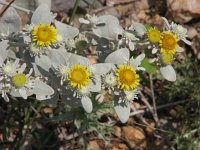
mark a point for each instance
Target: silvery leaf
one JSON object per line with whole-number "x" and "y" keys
{"x": 47, "y": 2}
{"x": 1, "y": 61}
{"x": 66, "y": 31}
{"x": 139, "y": 28}
{"x": 58, "y": 57}
{"x": 43, "y": 61}
{"x": 95, "y": 85}
{"x": 123, "y": 111}
{"x": 42, "y": 89}
{"x": 102, "y": 68}
{"x": 76, "y": 59}
{"x": 137, "y": 61}
{"x": 87, "y": 104}
{"x": 111, "y": 28}
{"x": 118, "y": 57}
{"x": 42, "y": 15}
{"x": 10, "y": 21}
{"x": 3, "y": 49}
{"x": 168, "y": 73}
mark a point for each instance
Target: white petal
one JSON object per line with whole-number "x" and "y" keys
{"x": 168, "y": 73}
{"x": 154, "y": 50}
{"x": 131, "y": 45}
{"x": 42, "y": 15}
{"x": 118, "y": 57}
{"x": 141, "y": 68}
{"x": 139, "y": 28}
{"x": 41, "y": 88}
{"x": 67, "y": 32}
{"x": 87, "y": 104}
{"x": 5, "y": 97}
{"x": 22, "y": 92}
{"x": 167, "y": 23}
{"x": 123, "y": 112}
{"x": 186, "y": 41}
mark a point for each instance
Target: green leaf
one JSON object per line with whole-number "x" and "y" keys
{"x": 150, "y": 68}
{"x": 147, "y": 26}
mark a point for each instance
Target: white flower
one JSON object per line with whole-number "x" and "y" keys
{"x": 62, "y": 71}
{"x": 37, "y": 51}
{"x": 22, "y": 84}
{"x": 10, "y": 68}
{"x": 125, "y": 81}
{"x": 110, "y": 80}
{"x": 130, "y": 95}
{"x": 70, "y": 44}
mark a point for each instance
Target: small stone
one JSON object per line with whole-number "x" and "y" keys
{"x": 134, "y": 136}
{"x": 150, "y": 128}
{"x": 48, "y": 110}
{"x": 198, "y": 146}
{"x": 173, "y": 112}
{"x": 117, "y": 131}
{"x": 192, "y": 32}
{"x": 136, "y": 105}
{"x": 93, "y": 145}
{"x": 184, "y": 10}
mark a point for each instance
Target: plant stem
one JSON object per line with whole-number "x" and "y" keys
{"x": 74, "y": 11}
{"x": 154, "y": 101}
{"x": 28, "y": 120}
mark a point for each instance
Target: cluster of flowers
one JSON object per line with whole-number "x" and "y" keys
{"x": 47, "y": 59}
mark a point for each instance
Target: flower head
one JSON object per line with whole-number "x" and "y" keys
{"x": 44, "y": 35}
{"x": 78, "y": 76}
{"x": 153, "y": 35}
{"x": 109, "y": 80}
{"x": 168, "y": 42}
{"x": 19, "y": 80}
{"x": 127, "y": 79}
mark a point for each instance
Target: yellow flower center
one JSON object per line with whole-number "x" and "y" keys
{"x": 19, "y": 80}
{"x": 168, "y": 42}
{"x": 44, "y": 35}
{"x": 79, "y": 76}
{"x": 126, "y": 77}
{"x": 153, "y": 35}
